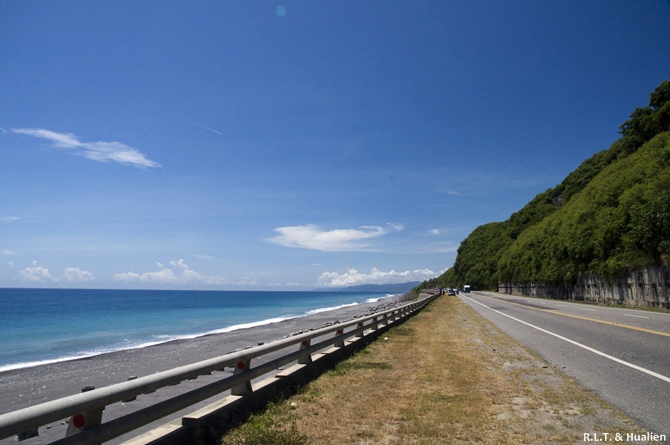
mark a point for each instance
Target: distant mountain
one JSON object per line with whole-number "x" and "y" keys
{"x": 393, "y": 288}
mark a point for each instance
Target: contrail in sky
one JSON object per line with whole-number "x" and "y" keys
{"x": 206, "y": 128}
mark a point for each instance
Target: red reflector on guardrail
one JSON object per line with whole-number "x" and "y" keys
{"x": 79, "y": 421}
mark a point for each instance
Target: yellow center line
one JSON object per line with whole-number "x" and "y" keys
{"x": 635, "y": 328}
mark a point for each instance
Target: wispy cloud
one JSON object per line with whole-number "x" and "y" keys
{"x": 97, "y": 151}
{"x": 338, "y": 240}
{"x": 206, "y": 128}
{"x": 9, "y": 218}
{"x": 352, "y": 277}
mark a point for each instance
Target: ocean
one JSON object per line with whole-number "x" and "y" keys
{"x": 39, "y": 326}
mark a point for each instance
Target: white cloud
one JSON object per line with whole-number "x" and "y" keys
{"x": 9, "y": 219}
{"x": 352, "y": 277}
{"x": 181, "y": 273}
{"x": 127, "y": 276}
{"x": 76, "y": 275}
{"x": 7, "y": 252}
{"x": 187, "y": 273}
{"x": 97, "y": 151}
{"x": 159, "y": 276}
{"x": 179, "y": 263}
{"x": 37, "y": 274}
{"x": 434, "y": 232}
{"x": 337, "y": 240}
{"x": 293, "y": 284}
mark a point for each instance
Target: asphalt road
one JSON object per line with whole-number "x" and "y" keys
{"x": 621, "y": 354}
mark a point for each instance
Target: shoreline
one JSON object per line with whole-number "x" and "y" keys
{"x": 29, "y": 386}
{"x": 177, "y": 337}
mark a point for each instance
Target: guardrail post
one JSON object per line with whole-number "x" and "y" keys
{"x": 243, "y": 388}
{"x": 130, "y": 399}
{"x": 339, "y": 343}
{"x": 359, "y": 326}
{"x": 85, "y": 420}
{"x": 305, "y": 358}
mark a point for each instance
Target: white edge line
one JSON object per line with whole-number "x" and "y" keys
{"x": 638, "y": 316}
{"x": 595, "y": 351}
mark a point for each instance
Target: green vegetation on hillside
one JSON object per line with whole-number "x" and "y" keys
{"x": 610, "y": 215}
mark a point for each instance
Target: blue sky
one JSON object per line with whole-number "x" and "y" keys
{"x": 296, "y": 144}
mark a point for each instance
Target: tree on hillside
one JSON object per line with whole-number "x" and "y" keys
{"x": 660, "y": 96}
{"x": 645, "y": 123}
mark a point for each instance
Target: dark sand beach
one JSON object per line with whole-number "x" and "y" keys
{"x": 30, "y": 386}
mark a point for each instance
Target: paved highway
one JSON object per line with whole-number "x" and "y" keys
{"x": 621, "y": 354}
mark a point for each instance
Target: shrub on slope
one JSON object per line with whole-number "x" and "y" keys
{"x": 619, "y": 221}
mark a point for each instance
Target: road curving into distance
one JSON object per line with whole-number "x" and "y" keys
{"x": 622, "y": 354}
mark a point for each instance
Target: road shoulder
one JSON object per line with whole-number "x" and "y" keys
{"x": 448, "y": 376}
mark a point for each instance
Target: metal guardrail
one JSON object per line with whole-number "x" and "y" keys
{"x": 85, "y": 410}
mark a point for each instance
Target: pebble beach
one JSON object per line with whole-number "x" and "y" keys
{"x": 30, "y": 386}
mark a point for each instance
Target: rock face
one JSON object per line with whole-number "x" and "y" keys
{"x": 644, "y": 287}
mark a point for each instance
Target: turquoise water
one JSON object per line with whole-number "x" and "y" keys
{"x": 48, "y": 325}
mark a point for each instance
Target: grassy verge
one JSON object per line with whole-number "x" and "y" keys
{"x": 445, "y": 376}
